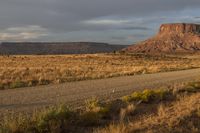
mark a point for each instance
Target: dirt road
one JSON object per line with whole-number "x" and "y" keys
{"x": 73, "y": 93}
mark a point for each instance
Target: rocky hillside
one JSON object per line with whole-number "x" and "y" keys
{"x": 57, "y": 48}
{"x": 171, "y": 38}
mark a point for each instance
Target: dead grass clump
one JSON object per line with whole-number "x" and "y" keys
{"x": 92, "y": 114}
{"x": 93, "y": 105}
{"x": 191, "y": 87}
{"x": 120, "y": 128}
{"x": 50, "y": 120}
{"x": 90, "y": 118}
{"x": 189, "y": 123}
{"x": 125, "y": 112}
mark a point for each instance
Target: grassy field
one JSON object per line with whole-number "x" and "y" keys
{"x": 175, "y": 110}
{"x": 23, "y": 71}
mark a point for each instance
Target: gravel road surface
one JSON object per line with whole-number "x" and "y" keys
{"x": 75, "y": 93}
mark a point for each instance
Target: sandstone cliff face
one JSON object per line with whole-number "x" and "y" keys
{"x": 171, "y": 38}
{"x": 179, "y": 28}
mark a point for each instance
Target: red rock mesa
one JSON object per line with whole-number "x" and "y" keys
{"x": 171, "y": 38}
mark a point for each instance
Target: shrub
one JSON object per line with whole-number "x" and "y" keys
{"x": 1, "y": 86}
{"x": 92, "y": 105}
{"x": 119, "y": 128}
{"x": 191, "y": 87}
{"x": 126, "y": 98}
{"x": 19, "y": 124}
{"x": 33, "y": 82}
{"x": 17, "y": 84}
{"x": 44, "y": 82}
{"x": 5, "y": 86}
{"x": 53, "y": 118}
{"x": 194, "y": 85}
{"x": 198, "y": 112}
{"x": 124, "y": 112}
{"x": 104, "y": 110}
{"x": 50, "y": 120}
{"x": 114, "y": 109}
{"x": 94, "y": 112}
{"x": 90, "y": 118}
{"x": 146, "y": 95}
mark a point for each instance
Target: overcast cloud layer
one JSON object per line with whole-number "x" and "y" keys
{"x": 112, "y": 21}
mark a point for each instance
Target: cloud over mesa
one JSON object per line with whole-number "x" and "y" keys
{"x": 91, "y": 20}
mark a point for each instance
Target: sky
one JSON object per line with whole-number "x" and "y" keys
{"x": 110, "y": 21}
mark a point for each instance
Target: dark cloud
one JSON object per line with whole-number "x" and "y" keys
{"x": 65, "y": 16}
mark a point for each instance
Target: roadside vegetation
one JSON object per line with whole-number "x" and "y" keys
{"x": 25, "y": 71}
{"x": 158, "y": 110}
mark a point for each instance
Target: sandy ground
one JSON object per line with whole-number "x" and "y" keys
{"x": 75, "y": 93}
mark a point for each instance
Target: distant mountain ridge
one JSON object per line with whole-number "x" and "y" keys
{"x": 171, "y": 38}
{"x": 29, "y": 48}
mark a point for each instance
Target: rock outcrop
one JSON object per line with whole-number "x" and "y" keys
{"x": 171, "y": 38}
{"x": 179, "y": 28}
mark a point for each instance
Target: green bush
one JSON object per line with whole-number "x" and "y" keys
{"x": 146, "y": 95}
{"x": 17, "y": 84}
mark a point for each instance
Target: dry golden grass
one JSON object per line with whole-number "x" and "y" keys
{"x": 21, "y": 71}
{"x": 178, "y": 115}
{"x": 178, "y": 112}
